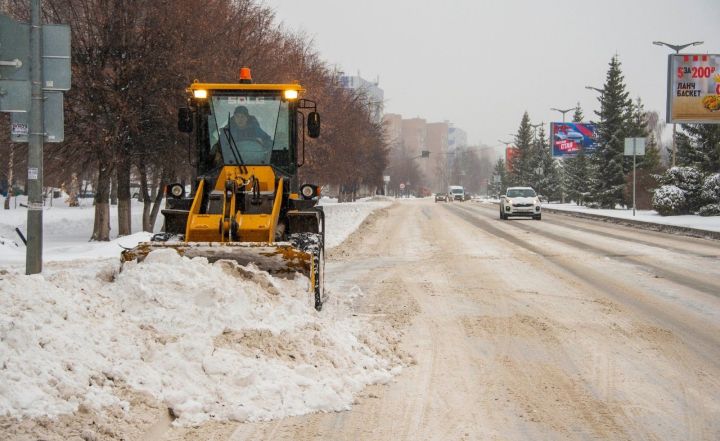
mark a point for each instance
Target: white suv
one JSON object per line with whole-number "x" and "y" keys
{"x": 520, "y": 201}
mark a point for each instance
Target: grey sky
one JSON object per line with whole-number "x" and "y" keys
{"x": 480, "y": 63}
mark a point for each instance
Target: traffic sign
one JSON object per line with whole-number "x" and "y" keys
{"x": 634, "y": 146}
{"x": 14, "y": 96}
{"x": 14, "y": 49}
{"x": 56, "y": 57}
{"x": 402, "y": 186}
{"x": 54, "y": 120}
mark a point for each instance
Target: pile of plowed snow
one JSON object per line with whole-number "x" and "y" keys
{"x": 212, "y": 341}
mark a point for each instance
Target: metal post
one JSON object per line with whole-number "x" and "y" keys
{"x": 634, "y": 140}
{"x": 33, "y": 258}
{"x": 11, "y": 164}
{"x": 673, "y": 146}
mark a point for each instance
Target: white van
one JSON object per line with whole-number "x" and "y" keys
{"x": 456, "y": 193}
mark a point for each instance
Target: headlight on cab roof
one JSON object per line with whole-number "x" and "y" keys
{"x": 200, "y": 93}
{"x": 291, "y": 94}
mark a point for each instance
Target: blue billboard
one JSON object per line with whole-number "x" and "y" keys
{"x": 568, "y": 138}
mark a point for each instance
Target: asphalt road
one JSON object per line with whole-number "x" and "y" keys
{"x": 525, "y": 330}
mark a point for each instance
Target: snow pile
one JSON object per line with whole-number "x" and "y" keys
{"x": 669, "y": 200}
{"x": 341, "y": 219}
{"x": 213, "y": 341}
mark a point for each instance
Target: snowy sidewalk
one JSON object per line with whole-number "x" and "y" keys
{"x": 691, "y": 225}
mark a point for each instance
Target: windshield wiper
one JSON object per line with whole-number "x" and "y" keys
{"x": 233, "y": 146}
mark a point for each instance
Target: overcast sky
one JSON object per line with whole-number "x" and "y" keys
{"x": 480, "y": 64}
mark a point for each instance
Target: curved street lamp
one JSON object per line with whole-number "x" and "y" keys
{"x": 563, "y": 111}
{"x": 677, "y": 47}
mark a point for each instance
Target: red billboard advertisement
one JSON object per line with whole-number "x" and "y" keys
{"x": 569, "y": 138}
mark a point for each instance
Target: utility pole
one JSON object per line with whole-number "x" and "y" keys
{"x": 33, "y": 259}
{"x": 11, "y": 164}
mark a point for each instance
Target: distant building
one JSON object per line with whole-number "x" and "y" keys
{"x": 436, "y": 167}
{"x": 393, "y": 129}
{"x": 375, "y": 95}
{"x": 414, "y": 133}
{"x": 457, "y": 137}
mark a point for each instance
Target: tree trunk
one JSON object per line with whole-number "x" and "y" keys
{"x": 145, "y": 192}
{"x": 124, "y": 198}
{"x": 101, "y": 229}
{"x": 114, "y": 189}
{"x": 150, "y": 214}
{"x": 156, "y": 206}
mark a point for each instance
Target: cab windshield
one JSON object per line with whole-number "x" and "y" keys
{"x": 250, "y": 128}
{"x": 521, "y": 193}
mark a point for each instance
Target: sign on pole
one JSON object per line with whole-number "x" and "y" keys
{"x": 693, "y": 88}
{"x": 54, "y": 121}
{"x": 634, "y": 146}
{"x": 15, "y": 90}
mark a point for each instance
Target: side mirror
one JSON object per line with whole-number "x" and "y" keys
{"x": 313, "y": 124}
{"x": 185, "y": 122}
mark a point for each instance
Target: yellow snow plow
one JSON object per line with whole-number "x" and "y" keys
{"x": 245, "y": 203}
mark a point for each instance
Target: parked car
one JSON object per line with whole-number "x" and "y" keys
{"x": 520, "y": 201}
{"x": 441, "y": 197}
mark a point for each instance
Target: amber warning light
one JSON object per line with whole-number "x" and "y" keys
{"x": 245, "y": 76}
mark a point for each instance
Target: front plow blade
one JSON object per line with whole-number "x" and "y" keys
{"x": 277, "y": 258}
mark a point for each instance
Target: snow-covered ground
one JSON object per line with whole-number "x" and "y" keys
{"x": 710, "y": 223}
{"x": 212, "y": 341}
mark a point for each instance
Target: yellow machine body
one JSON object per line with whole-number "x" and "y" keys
{"x": 245, "y": 211}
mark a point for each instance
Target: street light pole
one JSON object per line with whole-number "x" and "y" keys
{"x": 534, "y": 127}
{"x": 677, "y": 48}
{"x": 563, "y": 111}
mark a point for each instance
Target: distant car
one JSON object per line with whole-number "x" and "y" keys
{"x": 520, "y": 201}
{"x": 570, "y": 135}
{"x": 441, "y": 197}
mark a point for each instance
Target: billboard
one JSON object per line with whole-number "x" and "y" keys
{"x": 510, "y": 154}
{"x": 568, "y": 138}
{"x": 693, "y": 88}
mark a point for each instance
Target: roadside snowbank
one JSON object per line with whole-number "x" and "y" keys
{"x": 709, "y": 223}
{"x": 213, "y": 341}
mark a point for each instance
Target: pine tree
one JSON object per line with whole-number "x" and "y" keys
{"x": 499, "y": 183}
{"x": 578, "y": 115}
{"x": 520, "y": 170}
{"x": 637, "y": 128}
{"x": 608, "y": 181}
{"x": 698, "y": 145}
{"x": 548, "y": 183}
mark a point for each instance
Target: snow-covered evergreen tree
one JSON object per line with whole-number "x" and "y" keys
{"x": 499, "y": 184}
{"x": 608, "y": 181}
{"x": 698, "y": 145}
{"x": 578, "y": 115}
{"x": 521, "y": 165}
{"x": 548, "y": 179}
